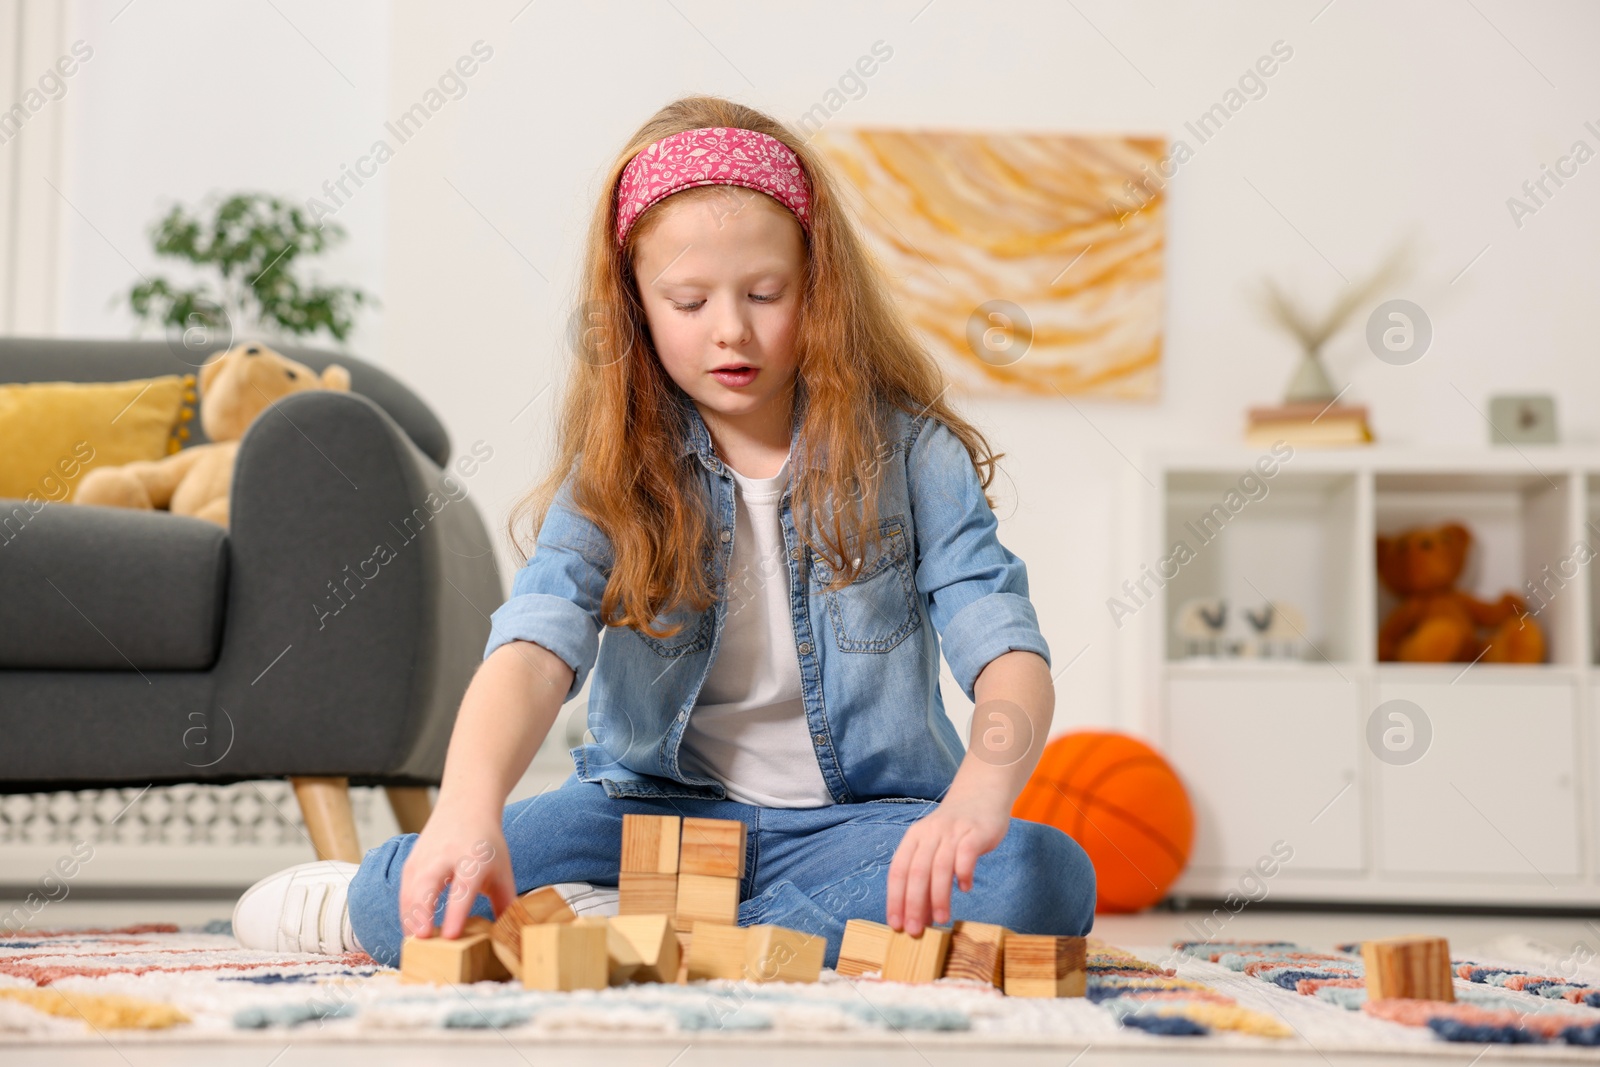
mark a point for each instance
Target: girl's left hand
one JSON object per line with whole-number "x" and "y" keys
{"x": 943, "y": 844}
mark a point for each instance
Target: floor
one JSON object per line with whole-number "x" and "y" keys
{"x": 1317, "y": 929}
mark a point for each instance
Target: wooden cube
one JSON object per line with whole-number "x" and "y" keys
{"x": 641, "y": 948}
{"x": 1414, "y": 967}
{"x": 713, "y": 847}
{"x": 564, "y": 956}
{"x": 776, "y": 954}
{"x": 1040, "y": 965}
{"x": 640, "y": 893}
{"x": 705, "y": 898}
{"x": 543, "y": 905}
{"x": 865, "y": 947}
{"x": 716, "y": 951}
{"x": 650, "y": 844}
{"x": 441, "y": 960}
{"x": 916, "y": 959}
{"x": 977, "y": 951}
{"x": 495, "y": 970}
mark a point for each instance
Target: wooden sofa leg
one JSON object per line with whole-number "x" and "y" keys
{"x": 411, "y": 805}
{"x": 325, "y": 806}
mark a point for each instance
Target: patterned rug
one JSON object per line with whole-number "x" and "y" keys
{"x": 159, "y": 982}
{"x": 1495, "y": 1003}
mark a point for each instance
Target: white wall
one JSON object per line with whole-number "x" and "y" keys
{"x": 1390, "y": 119}
{"x": 184, "y": 99}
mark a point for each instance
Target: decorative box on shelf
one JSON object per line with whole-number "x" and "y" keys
{"x": 1450, "y": 783}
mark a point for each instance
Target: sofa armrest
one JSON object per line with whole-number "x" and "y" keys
{"x": 359, "y": 597}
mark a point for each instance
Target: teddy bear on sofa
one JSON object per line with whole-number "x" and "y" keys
{"x": 235, "y": 387}
{"x": 1437, "y": 623}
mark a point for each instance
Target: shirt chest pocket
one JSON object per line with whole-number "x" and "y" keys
{"x": 696, "y": 626}
{"x": 879, "y": 609}
{"x": 695, "y": 635}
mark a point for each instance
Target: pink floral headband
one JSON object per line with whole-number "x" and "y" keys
{"x": 712, "y": 155}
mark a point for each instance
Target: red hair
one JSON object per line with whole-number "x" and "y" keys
{"x": 621, "y": 422}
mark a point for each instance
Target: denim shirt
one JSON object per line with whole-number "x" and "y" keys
{"x": 869, "y": 652}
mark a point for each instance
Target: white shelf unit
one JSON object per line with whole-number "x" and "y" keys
{"x": 1501, "y": 807}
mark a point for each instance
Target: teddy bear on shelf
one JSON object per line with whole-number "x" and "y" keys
{"x": 1437, "y": 623}
{"x": 235, "y": 387}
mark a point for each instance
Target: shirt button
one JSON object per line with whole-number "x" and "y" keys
{"x": 726, "y": 536}
{"x": 821, "y": 739}
{"x": 805, "y": 648}
{"x": 794, "y": 553}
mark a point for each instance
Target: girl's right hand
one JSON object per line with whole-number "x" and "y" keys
{"x": 468, "y": 854}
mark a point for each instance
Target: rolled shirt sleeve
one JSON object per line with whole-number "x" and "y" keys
{"x": 977, "y": 589}
{"x": 555, "y": 597}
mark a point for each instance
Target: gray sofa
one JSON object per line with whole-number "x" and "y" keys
{"x": 143, "y": 647}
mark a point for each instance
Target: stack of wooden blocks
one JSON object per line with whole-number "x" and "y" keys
{"x": 1023, "y": 965}
{"x": 678, "y": 921}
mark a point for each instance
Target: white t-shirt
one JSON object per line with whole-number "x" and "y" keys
{"x": 748, "y": 729}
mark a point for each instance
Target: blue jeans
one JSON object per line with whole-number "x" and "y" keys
{"x": 807, "y": 869}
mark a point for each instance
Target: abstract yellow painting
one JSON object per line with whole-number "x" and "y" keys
{"x": 1031, "y": 263}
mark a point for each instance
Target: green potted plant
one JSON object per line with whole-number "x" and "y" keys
{"x": 250, "y": 253}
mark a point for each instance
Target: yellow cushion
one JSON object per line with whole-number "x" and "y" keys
{"x": 52, "y": 432}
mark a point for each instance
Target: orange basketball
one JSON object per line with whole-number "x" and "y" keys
{"x": 1118, "y": 798}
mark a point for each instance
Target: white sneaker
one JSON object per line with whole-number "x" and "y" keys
{"x": 585, "y": 899}
{"x": 304, "y": 908}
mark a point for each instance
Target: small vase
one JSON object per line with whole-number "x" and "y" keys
{"x": 1310, "y": 384}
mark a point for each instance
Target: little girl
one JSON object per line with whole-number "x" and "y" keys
{"x": 765, "y": 504}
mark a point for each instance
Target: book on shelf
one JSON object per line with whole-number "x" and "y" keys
{"x": 1309, "y": 424}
